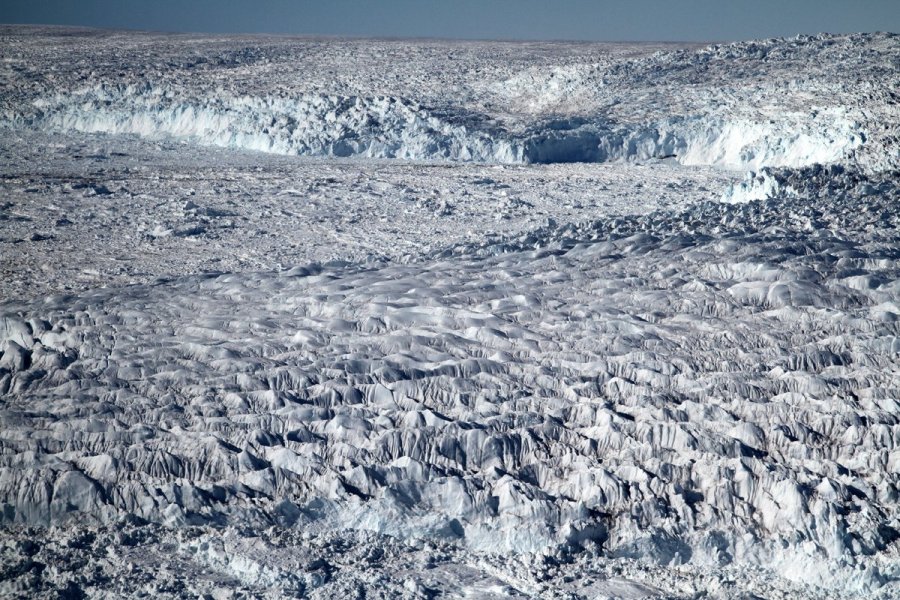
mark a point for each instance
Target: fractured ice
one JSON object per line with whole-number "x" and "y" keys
{"x": 694, "y": 391}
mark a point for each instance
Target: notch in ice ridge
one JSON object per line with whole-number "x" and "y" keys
{"x": 794, "y": 141}
{"x": 389, "y": 127}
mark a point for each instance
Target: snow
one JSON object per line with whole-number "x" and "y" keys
{"x": 275, "y": 322}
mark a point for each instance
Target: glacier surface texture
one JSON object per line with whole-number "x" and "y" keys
{"x": 297, "y": 317}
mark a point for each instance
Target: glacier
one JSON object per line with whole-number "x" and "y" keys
{"x": 475, "y": 319}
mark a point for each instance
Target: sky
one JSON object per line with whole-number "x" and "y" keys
{"x": 599, "y": 20}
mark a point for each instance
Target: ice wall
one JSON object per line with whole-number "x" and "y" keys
{"x": 390, "y": 127}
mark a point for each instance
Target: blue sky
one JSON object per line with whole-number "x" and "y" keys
{"x": 622, "y": 20}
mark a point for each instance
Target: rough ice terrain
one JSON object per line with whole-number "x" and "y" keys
{"x": 291, "y": 317}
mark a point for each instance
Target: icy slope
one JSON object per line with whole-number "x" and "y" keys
{"x": 707, "y": 387}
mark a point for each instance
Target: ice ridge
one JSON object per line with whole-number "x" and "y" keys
{"x": 391, "y": 127}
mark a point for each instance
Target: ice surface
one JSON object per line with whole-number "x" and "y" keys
{"x": 178, "y": 209}
{"x": 324, "y": 375}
